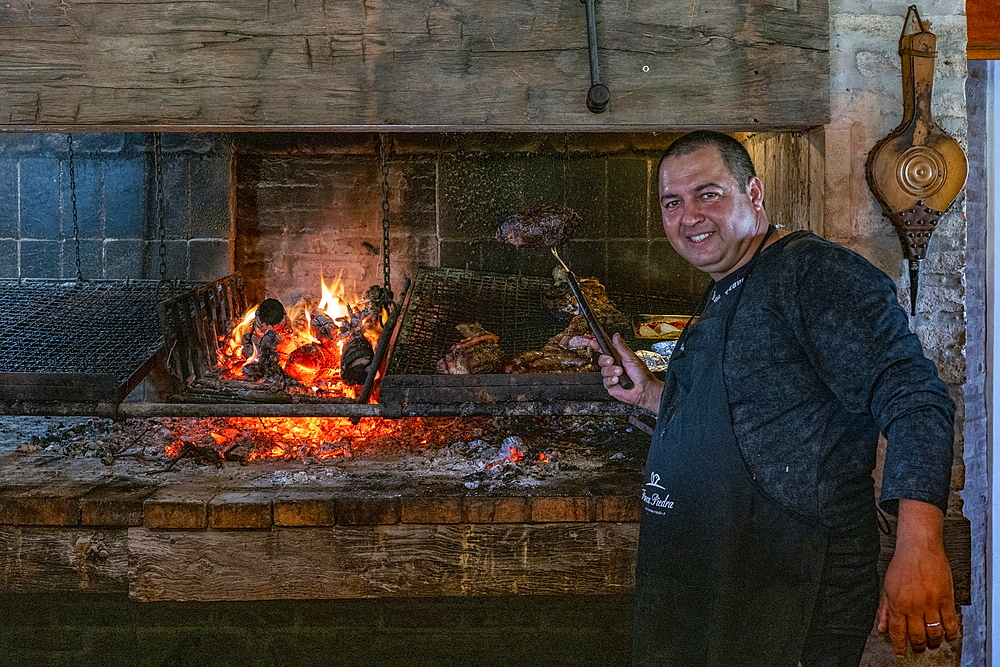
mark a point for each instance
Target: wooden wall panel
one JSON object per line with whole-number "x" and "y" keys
{"x": 984, "y": 29}
{"x": 521, "y": 64}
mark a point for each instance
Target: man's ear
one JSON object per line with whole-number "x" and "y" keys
{"x": 756, "y": 191}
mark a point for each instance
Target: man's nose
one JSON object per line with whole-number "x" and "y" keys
{"x": 691, "y": 215}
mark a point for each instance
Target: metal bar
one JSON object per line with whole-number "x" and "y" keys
{"x": 595, "y": 67}
{"x": 599, "y": 95}
{"x": 151, "y": 410}
{"x": 383, "y": 344}
{"x": 206, "y": 320}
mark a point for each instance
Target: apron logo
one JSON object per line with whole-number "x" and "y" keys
{"x": 652, "y": 500}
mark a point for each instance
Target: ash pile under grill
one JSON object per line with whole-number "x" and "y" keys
{"x": 470, "y": 454}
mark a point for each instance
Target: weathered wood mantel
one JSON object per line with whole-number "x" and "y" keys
{"x": 72, "y": 525}
{"x": 376, "y": 64}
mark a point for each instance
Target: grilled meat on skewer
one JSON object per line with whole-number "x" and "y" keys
{"x": 541, "y": 227}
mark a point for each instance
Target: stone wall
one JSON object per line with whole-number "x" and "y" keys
{"x": 310, "y": 204}
{"x": 866, "y": 98}
{"x": 116, "y": 197}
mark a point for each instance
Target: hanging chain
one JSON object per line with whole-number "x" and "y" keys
{"x": 383, "y": 158}
{"x": 76, "y": 215}
{"x": 160, "y": 226}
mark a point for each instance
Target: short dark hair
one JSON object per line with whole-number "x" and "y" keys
{"x": 734, "y": 154}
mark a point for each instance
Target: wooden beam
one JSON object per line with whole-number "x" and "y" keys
{"x": 63, "y": 559}
{"x": 984, "y": 30}
{"x": 452, "y": 64}
{"x": 402, "y": 560}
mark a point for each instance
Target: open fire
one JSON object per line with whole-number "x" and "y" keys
{"x": 320, "y": 347}
{"x": 477, "y": 451}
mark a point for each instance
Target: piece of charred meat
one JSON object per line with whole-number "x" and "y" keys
{"x": 477, "y": 352}
{"x": 557, "y": 356}
{"x": 563, "y": 305}
{"x": 542, "y": 227}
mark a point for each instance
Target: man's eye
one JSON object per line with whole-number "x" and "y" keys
{"x": 709, "y": 195}
{"x": 671, "y": 204}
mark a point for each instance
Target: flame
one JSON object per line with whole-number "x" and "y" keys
{"x": 310, "y": 356}
{"x": 331, "y": 300}
{"x": 287, "y": 437}
{"x": 514, "y": 454}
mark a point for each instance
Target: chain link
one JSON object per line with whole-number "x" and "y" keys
{"x": 383, "y": 157}
{"x": 76, "y": 215}
{"x": 160, "y": 226}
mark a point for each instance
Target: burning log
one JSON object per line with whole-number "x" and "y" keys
{"x": 271, "y": 312}
{"x": 355, "y": 358}
{"x": 265, "y": 365}
{"x": 307, "y": 363}
{"x": 322, "y": 325}
{"x": 378, "y": 299}
{"x": 358, "y": 352}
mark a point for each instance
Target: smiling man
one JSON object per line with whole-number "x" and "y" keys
{"x": 758, "y": 531}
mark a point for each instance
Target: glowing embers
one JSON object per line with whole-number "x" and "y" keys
{"x": 320, "y": 347}
{"x": 246, "y": 439}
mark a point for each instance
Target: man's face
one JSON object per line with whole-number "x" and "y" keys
{"x": 707, "y": 219}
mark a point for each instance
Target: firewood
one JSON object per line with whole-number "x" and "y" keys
{"x": 271, "y": 312}
{"x": 355, "y": 358}
{"x": 323, "y": 327}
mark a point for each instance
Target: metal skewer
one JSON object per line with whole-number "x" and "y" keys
{"x": 595, "y": 326}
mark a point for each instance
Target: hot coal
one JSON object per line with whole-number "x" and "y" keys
{"x": 480, "y": 454}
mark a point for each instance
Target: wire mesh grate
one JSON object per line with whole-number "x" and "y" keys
{"x": 89, "y": 327}
{"x": 510, "y": 306}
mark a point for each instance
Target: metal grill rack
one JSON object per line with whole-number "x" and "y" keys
{"x": 77, "y": 341}
{"x": 508, "y": 305}
{"x": 194, "y": 324}
{"x": 511, "y": 307}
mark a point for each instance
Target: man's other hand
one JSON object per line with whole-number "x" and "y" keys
{"x": 918, "y": 598}
{"x": 647, "y": 390}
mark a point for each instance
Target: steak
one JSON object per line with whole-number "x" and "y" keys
{"x": 542, "y": 227}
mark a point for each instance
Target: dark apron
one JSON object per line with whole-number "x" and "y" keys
{"x": 725, "y": 576}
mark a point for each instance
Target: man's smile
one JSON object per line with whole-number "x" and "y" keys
{"x": 699, "y": 238}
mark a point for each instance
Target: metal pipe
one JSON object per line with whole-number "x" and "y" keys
{"x": 599, "y": 95}
{"x": 353, "y": 410}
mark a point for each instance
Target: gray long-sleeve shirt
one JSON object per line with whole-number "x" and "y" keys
{"x": 819, "y": 360}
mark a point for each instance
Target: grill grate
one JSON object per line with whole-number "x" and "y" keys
{"x": 102, "y": 329}
{"x": 508, "y": 305}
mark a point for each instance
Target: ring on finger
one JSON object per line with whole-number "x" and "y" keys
{"x": 932, "y": 625}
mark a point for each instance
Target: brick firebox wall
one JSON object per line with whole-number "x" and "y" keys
{"x": 116, "y": 204}
{"x": 310, "y": 204}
